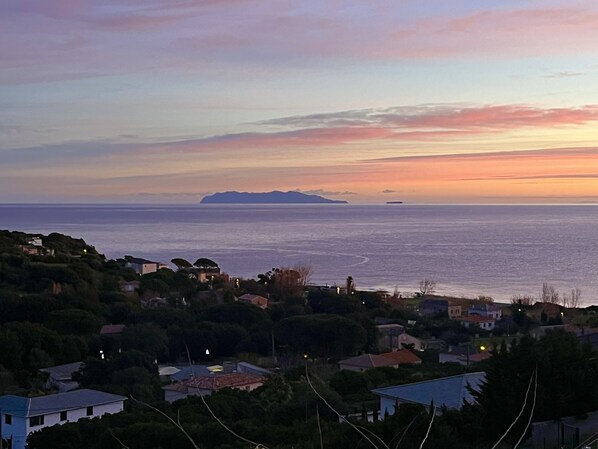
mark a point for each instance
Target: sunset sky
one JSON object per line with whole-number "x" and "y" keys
{"x": 368, "y": 101}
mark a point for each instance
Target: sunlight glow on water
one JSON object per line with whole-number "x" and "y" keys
{"x": 469, "y": 250}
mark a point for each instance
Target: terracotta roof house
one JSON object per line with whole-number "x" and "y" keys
{"x": 20, "y": 416}
{"x": 206, "y": 385}
{"x": 485, "y": 323}
{"x": 403, "y": 357}
{"x": 447, "y": 391}
{"x": 365, "y": 362}
{"x": 256, "y": 300}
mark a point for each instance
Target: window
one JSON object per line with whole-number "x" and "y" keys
{"x": 36, "y": 421}
{"x": 63, "y": 416}
{"x": 8, "y": 419}
{"x": 90, "y": 410}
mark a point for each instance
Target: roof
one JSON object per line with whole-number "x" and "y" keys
{"x": 249, "y": 368}
{"x": 54, "y": 403}
{"x": 167, "y": 370}
{"x": 448, "y": 391}
{"x": 476, "y": 319}
{"x": 190, "y": 371}
{"x": 254, "y": 299}
{"x": 139, "y": 261}
{"x": 216, "y": 382}
{"x": 367, "y": 361}
{"x": 387, "y": 329}
{"x": 402, "y": 357}
{"x": 62, "y": 372}
{"x": 109, "y": 329}
{"x": 485, "y": 307}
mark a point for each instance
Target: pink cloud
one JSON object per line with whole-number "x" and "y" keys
{"x": 445, "y": 121}
{"x": 240, "y": 32}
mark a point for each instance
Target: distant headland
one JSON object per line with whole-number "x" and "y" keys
{"x": 275, "y": 197}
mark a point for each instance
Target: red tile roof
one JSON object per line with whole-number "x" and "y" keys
{"x": 217, "y": 381}
{"x": 403, "y": 357}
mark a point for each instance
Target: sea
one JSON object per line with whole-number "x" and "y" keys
{"x": 468, "y": 250}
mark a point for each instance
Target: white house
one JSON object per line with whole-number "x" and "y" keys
{"x": 20, "y": 416}
{"x": 143, "y": 266}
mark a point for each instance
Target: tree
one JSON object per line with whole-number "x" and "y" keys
{"x": 276, "y": 390}
{"x": 321, "y": 334}
{"x": 284, "y": 281}
{"x": 305, "y": 271}
{"x": 549, "y": 294}
{"x": 523, "y": 300}
{"x": 181, "y": 263}
{"x": 427, "y": 286}
{"x": 566, "y": 382}
{"x": 573, "y": 301}
{"x": 204, "y": 262}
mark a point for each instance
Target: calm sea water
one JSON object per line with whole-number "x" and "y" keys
{"x": 468, "y": 250}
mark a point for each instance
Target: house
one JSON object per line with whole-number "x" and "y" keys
{"x": 188, "y": 371}
{"x": 166, "y": 372}
{"x": 365, "y": 362}
{"x": 20, "y": 416}
{"x": 256, "y": 300}
{"x": 61, "y": 376}
{"x": 486, "y": 310}
{"x": 450, "y": 392}
{"x": 206, "y": 385}
{"x": 143, "y": 266}
{"x": 35, "y": 241}
{"x": 409, "y": 341}
{"x": 202, "y": 274}
{"x": 484, "y": 323}
{"x": 403, "y": 357}
{"x": 389, "y": 336}
{"x": 112, "y": 330}
{"x": 444, "y": 307}
{"x": 464, "y": 355}
{"x": 128, "y": 286}
{"x": 545, "y": 312}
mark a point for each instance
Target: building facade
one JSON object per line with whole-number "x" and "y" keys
{"x": 21, "y": 416}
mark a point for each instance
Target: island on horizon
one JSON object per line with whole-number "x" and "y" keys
{"x": 394, "y": 202}
{"x": 274, "y": 197}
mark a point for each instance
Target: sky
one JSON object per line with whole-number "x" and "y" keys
{"x": 431, "y": 101}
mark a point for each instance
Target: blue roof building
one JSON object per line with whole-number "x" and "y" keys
{"x": 20, "y": 416}
{"x": 450, "y": 392}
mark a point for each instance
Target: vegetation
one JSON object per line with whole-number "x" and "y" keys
{"x": 54, "y": 301}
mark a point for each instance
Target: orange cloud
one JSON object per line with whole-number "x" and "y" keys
{"x": 567, "y": 173}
